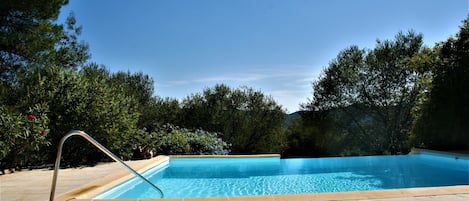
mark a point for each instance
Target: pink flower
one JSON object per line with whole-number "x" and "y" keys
{"x": 31, "y": 117}
{"x": 43, "y": 133}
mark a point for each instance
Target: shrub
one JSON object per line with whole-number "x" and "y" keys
{"x": 22, "y": 135}
{"x": 174, "y": 140}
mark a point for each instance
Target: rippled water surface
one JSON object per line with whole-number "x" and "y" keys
{"x": 209, "y": 177}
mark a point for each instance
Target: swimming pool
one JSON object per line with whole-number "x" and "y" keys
{"x": 219, "y": 177}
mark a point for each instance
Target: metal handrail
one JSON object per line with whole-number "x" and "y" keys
{"x": 100, "y": 147}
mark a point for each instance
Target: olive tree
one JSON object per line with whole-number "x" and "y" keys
{"x": 374, "y": 92}
{"x": 250, "y": 120}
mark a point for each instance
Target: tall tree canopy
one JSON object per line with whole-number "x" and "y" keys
{"x": 30, "y": 38}
{"x": 248, "y": 119}
{"x": 140, "y": 87}
{"x": 39, "y": 68}
{"x": 27, "y": 34}
{"x": 442, "y": 118}
{"x": 371, "y": 93}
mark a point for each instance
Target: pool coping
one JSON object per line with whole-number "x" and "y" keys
{"x": 228, "y": 156}
{"x": 445, "y": 153}
{"x": 88, "y": 191}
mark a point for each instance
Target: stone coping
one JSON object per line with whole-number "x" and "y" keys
{"x": 96, "y": 187}
{"x": 87, "y": 192}
{"x": 445, "y": 153}
{"x": 406, "y": 194}
{"x": 227, "y": 156}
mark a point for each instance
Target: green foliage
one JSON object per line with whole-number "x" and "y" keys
{"x": 39, "y": 64}
{"x": 375, "y": 98}
{"x": 174, "y": 140}
{"x": 140, "y": 87}
{"x": 325, "y": 133}
{"x": 110, "y": 117}
{"x": 69, "y": 52}
{"x": 370, "y": 94}
{"x": 159, "y": 111}
{"x": 363, "y": 103}
{"x": 45, "y": 63}
{"x": 86, "y": 101}
{"x": 304, "y": 139}
{"x": 441, "y": 118}
{"x": 248, "y": 119}
{"x": 22, "y": 134}
{"x": 27, "y": 35}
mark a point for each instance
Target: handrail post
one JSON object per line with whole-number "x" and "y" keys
{"x": 100, "y": 147}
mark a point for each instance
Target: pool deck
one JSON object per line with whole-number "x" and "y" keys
{"x": 78, "y": 184}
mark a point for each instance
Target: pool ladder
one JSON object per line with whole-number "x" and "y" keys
{"x": 100, "y": 147}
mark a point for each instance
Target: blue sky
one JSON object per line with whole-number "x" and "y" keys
{"x": 276, "y": 46}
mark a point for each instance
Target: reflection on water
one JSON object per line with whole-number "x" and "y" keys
{"x": 210, "y": 177}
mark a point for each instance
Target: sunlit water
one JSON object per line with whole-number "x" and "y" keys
{"x": 209, "y": 177}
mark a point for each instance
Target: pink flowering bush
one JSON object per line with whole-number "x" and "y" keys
{"x": 22, "y": 135}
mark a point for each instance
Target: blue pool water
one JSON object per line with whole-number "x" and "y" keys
{"x": 211, "y": 177}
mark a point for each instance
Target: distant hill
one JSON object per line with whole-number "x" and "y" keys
{"x": 290, "y": 117}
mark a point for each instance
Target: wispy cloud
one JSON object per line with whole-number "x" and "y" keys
{"x": 178, "y": 82}
{"x": 239, "y": 77}
{"x": 293, "y": 75}
{"x": 235, "y": 78}
{"x": 289, "y": 86}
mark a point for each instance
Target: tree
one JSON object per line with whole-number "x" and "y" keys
{"x": 305, "y": 137}
{"x": 82, "y": 100}
{"x": 158, "y": 112}
{"x": 374, "y": 91}
{"x": 139, "y": 87}
{"x": 442, "y": 117}
{"x": 22, "y": 135}
{"x": 69, "y": 52}
{"x": 248, "y": 119}
{"x": 110, "y": 117}
{"x": 30, "y": 39}
{"x": 27, "y": 34}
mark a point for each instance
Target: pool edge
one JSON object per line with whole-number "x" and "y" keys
{"x": 94, "y": 188}
{"x": 228, "y": 156}
{"x": 411, "y": 193}
{"x": 88, "y": 191}
{"x": 444, "y": 153}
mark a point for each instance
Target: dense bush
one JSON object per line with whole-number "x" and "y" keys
{"x": 174, "y": 140}
{"x": 250, "y": 120}
{"x": 22, "y": 134}
{"x": 159, "y": 111}
{"x": 442, "y": 115}
{"x": 80, "y": 99}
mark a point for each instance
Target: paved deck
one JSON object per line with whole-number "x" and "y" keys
{"x": 35, "y": 185}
